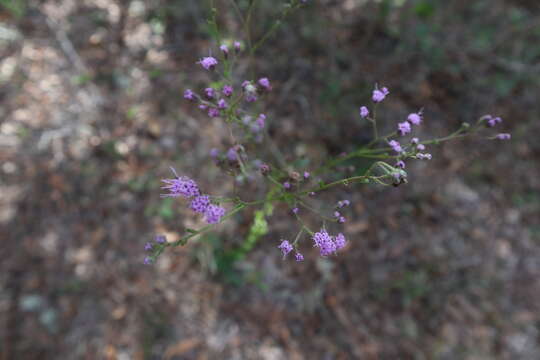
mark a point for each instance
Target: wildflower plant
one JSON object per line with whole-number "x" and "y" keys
{"x": 237, "y": 102}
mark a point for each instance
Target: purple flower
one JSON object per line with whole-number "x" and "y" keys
{"x": 160, "y": 239}
{"x": 415, "y": 118}
{"x": 147, "y": 260}
{"x": 364, "y": 112}
{"x": 340, "y": 241}
{"x": 404, "y": 128}
{"x": 214, "y": 213}
{"x": 213, "y": 112}
{"x": 200, "y": 204}
{"x": 261, "y": 120}
{"x": 265, "y": 84}
{"x": 203, "y": 106}
{"x": 250, "y": 91}
{"x": 237, "y": 46}
{"x": 379, "y": 95}
{"x": 214, "y": 153}
{"x": 209, "y": 63}
{"x": 148, "y": 246}
{"x": 421, "y": 147}
{"x": 295, "y": 210}
{"x": 503, "y": 136}
{"x": 324, "y": 242}
{"x": 400, "y": 164}
{"x": 414, "y": 141}
{"x": 337, "y": 214}
{"x": 342, "y": 220}
{"x": 189, "y": 95}
{"x": 232, "y": 155}
{"x": 225, "y": 49}
{"x": 285, "y": 247}
{"x": 227, "y": 90}
{"x": 299, "y": 257}
{"x": 493, "y": 121}
{"x": 311, "y": 193}
{"x": 396, "y": 146}
{"x": 210, "y": 92}
{"x": 181, "y": 186}
{"x": 343, "y": 203}
{"x": 287, "y": 185}
{"x": 222, "y": 104}
{"x": 306, "y": 175}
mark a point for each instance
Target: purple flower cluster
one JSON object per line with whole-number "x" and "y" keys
{"x": 209, "y": 63}
{"x": 379, "y": 95}
{"x": 286, "y": 248}
{"x": 328, "y": 244}
{"x": 160, "y": 240}
{"x": 187, "y": 188}
{"x": 405, "y": 127}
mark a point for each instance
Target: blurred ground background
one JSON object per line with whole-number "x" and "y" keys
{"x": 92, "y": 116}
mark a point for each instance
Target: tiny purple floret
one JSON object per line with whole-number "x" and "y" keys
{"x": 364, "y": 112}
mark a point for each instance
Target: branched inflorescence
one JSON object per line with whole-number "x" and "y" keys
{"x": 232, "y": 100}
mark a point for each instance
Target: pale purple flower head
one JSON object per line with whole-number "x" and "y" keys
{"x": 200, "y": 203}
{"x": 421, "y": 147}
{"x": 285, "y": 247}
{"x": 209, "y": 63}
{"x": 148, "y": 246}
{"x": 324, "y": 242}
{"x": 364, "y": 112}
{"x": 214, "y": 153}
{"x": 250, "y": 91}
{"x": 232, "y": 155}
{"x": 287, "y": 185}
{"x": 265, "y": 84}
{"x": 261, "y": 121}
{"x": 180, "y": 186}
{"x": 342, "y": 220}
{"x": 227, "y": 90}
{"x": 306, "y": 175}
{"x": 224, "y": 49}
{"x": 237, "y": 46}
{"x": 415, "y": 141}
{"x": 396, "y": 146}
{"x": 503, "y": 136}
{"x": 189, "y": 95}
{"x": 213, "y": 112}
{"x": 295, "y": 210}
{"x": 340, "y": 241}
{"x": 298, "y": 257}
{"x": 160, "y": 239}
{"x": 203, "y": 106}
{"x": 379, "y": 95}
{"x": 494, "y": 121}
{"x": 147, "y": 260}
{"x": 400, "y": 164}
{"x": 222, "y": 104}
{"x": 404, "y": 128}
{"x": 210, "y": 92}
{"x": 415, "y": 118}
{"x": 343, "y": 203}
{"x": 214, "y": 213}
